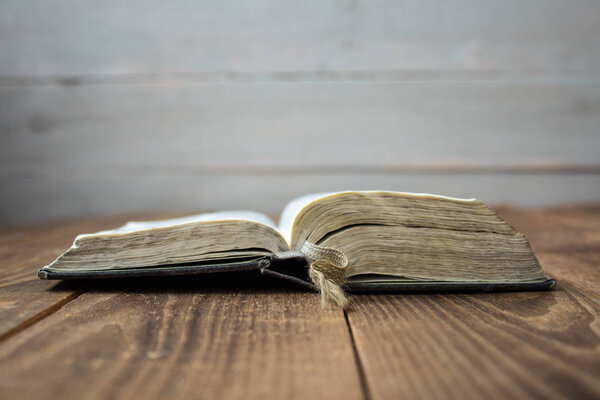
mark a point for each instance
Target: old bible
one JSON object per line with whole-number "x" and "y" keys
{"x": 332, "y": 243}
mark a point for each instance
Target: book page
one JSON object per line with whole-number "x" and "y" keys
{"x": 203, "y": 238}
{"x": 134, "y": 226}
{"x": 291, "y": 210}
{"x": 414, "y": 236}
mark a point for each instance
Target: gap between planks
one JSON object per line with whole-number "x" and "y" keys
{"x": 40, "y": 315}
{"x": 52, "y": 309}
{"x": 32, "y": 171}
{"x": 364, "y": 384}
{"x": 531, "y": 75}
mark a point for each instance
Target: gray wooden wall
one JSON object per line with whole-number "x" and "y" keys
{"x": 113, "y": 107}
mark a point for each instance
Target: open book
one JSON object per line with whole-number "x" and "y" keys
{"x": 354, "y": 241}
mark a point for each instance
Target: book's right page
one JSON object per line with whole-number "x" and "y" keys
{"x": 395, "y": 239}
{"x": 293, "y": 208}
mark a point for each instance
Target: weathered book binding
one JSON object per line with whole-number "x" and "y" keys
{"x": 295, "y": 269}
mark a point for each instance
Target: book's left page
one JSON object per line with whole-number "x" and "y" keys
{"x": 215, "y": 238}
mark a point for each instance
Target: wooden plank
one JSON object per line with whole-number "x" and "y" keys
{"x": 216, "y": 127}
{"x": 165, "y": 147}
{"x": 55, "y": 37}
{"x": 572, "y": 230}
{"x": 508, "y": 345}
{"x": 26, "y": 249}
{"x": 248, "y": 334}
{"x": 24, "y": 299}
{"x": 578, "y": 268}
{"x": 566, "y": 241}
{"x": 202, "y": 336}
{"x": 26, "y": 303}
{"x": 504, "y": 345}
{"x": 183, "y": 339}
{"x": 127, "y": 192}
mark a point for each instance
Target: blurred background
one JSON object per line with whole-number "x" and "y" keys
{"x": 122, "y": 107}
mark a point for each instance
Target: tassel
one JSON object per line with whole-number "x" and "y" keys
{"x": 328, "y": 268}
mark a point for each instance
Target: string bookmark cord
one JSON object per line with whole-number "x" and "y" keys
{"x": 328, "y": 269}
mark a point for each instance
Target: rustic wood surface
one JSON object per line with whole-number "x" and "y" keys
{"x": 203, "y": 337}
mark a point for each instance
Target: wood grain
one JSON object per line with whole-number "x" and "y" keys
{"x": 566, "y": 241}
{"x": 504, "y": 345}
{"x": 574, "y": 229}
{"x": 249, "y": 337}
{"x": 55, "y": 38}
{"x": 348, "y": 88}
{"x": 189, "y": 147}
{"x": 239, "y": 342}
{"x": 131, "y": 192}
{"x": 26, "y": 303}
{"x": 169, "y": 342}
{"x": 201, "y": 127}
{"x": 511, "y": 345}
{"x": 23, "y": 250}
{"x": 24, "y": 299}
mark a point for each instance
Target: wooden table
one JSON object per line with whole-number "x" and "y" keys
{"x": 208, "y": 338}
